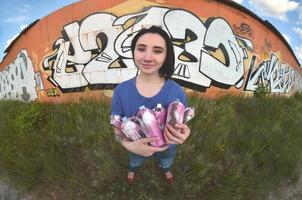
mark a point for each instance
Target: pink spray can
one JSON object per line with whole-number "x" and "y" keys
{"x": 116, "y": 121}
{"x": 150, "y": 126}
{"x": 160, "y": 115}
{"x": 131, "y": 128}
{"x": 189, "y": 113}
{"x": 175, "y": 113}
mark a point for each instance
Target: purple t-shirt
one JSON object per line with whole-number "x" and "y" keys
{"x": 126, "y": 99}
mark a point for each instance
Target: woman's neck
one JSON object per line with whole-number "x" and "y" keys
{"x": 150, "y": 79}
{"x": 149, "y": 86}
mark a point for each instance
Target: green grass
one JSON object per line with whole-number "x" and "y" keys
{"x": 239, "y": 148}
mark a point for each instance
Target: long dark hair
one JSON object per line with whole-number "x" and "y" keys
{"x": 167, "y": 68}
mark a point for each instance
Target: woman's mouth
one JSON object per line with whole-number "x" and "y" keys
{"x": 147, "y": 66}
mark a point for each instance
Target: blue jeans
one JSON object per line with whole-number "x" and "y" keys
{"x": 165, "y": 158}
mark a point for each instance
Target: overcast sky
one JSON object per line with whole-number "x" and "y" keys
{"x": 285, "y": 15}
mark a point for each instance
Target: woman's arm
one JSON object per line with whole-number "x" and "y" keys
{"x": 120, "y": 137}
{"x": 140, "y": 147}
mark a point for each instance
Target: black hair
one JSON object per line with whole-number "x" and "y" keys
{"x": 167, "y": 68}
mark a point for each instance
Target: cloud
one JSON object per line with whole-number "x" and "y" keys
{"x": 23, "y": 7}
{"x": 238, "y": 1}
{"x": 299, "y": 21}
{"x": 23, "y": 26}
{"x": 298, "y": 53}
{"x": 275, "y": 8}
{"x": 10, "y": 40}
{"x": 17, "y": 19}
{"x": 298, "y": 31}
{"x": 287, "y": 38}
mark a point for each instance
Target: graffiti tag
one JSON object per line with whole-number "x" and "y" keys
{"x": 17, "y": 80}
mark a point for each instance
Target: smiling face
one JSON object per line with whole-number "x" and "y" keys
{"x": 150, "y": 53}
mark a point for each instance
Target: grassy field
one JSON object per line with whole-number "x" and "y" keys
{"x": 239, "y": 148}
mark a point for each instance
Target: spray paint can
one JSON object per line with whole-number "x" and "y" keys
{"x": 160, "y": 116}
{"x": 131, "y": 128}
{"x": 175, "y": 113}
{"x": 150, "y": 126}
{"x": 189, "y": 113}
{"x": 116, "y": 121}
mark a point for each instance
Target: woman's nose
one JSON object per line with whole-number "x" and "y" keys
{"x": 148, "y": 56}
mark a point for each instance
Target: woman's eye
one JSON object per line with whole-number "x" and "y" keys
{"x": 158, "y": 51}
{"x": 140, "y": 49}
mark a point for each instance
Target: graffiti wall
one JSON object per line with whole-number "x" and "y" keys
{"x": 83, "y": 51}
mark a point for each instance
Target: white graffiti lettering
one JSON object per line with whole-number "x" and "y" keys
{"x": 97, "y": 51}
{"x": 189, "y": 32}
{"x": 104, "y": 68}
{"x": 17, "y": 80}
{"x": 232, "y": 70}
{"x": 277, "y": 76}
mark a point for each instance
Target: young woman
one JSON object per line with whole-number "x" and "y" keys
{"x": 154, "y": 57}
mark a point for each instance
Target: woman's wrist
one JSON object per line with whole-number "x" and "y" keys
{"x": 125, "y": 144}
{"x": 120, "y": 138}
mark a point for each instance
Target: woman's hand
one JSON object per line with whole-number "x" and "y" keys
{"x": 142, "y": 147}
{"x": 178, "y": 135}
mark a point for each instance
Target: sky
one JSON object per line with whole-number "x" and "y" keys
{"x": 285, "y": 15}
{"x": 15, "y": 15}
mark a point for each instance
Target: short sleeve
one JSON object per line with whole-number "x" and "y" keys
{"x": 183, "y": 97}
{"x": 116, "y": 104}
{"x": 175, "y": 91}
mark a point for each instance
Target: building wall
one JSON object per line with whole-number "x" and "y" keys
{"x": 82, "y": 50}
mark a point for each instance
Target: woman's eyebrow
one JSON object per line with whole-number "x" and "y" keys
{"x": 159, "y": 47}
{"x": 141, "y": 45}
{"x": 154, "y": 47}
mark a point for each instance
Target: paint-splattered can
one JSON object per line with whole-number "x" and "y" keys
{"x": 175, "y": 113}
{"x": 189, "y": 113}
{"x": 160, "y": 115}
{"x": 150, "y": 126}
{"x": 116, "y": 121}
{"x": 131, "y": 128}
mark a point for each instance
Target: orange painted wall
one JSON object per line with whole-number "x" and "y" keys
{"x": 33, "y": 48}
